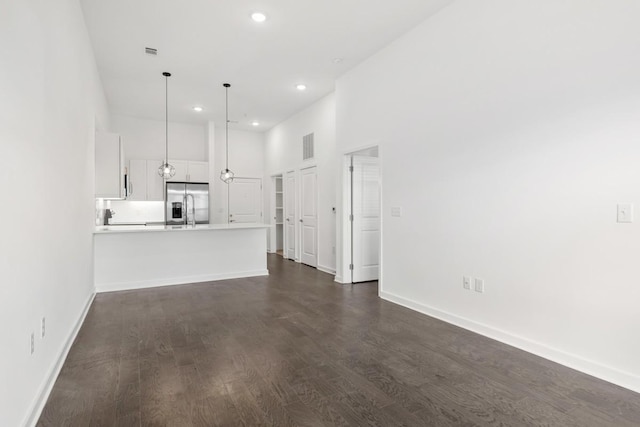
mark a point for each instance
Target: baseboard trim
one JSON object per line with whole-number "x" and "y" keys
{"x": 338, "y": 279}
{"x": 598, "y": 370}
{"x": 47, "y": 386}
{"x": 143, "y": 284}
{"x": 326, "y": 269}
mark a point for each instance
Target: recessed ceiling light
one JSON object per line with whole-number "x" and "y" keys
{"x": 258, "y": 17}
{"x": 198, "y": 109}
{"x": 301, "y": 87}
{"x": 337, "y": 60}
{"x": 255, "y": 123}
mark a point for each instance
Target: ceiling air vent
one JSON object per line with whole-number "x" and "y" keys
{"x": 307, "y": 147}
{"x": 150, "y": 51}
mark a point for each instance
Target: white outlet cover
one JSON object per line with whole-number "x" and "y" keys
{"x": 466, "y": 282}
{"x": 625, "y": 212}
{"x": 396, "y": 211}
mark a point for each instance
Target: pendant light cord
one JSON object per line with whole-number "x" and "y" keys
{"x": 226, "y": 91}
{"x": 166, "y": 118}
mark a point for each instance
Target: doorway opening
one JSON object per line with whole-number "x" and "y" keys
{"x": 362, "y": 251}
{"x": 290, "y": 236}
{"x": 277, "y": 215}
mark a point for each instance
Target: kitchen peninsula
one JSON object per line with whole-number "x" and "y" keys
{"x": 134, "y": 257}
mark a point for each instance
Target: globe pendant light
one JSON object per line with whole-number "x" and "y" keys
{"x": 166, "y": 170}
{"x": 226, "y": 175}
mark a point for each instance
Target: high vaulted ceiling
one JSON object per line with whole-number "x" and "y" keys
{"x": 205, "y": 43}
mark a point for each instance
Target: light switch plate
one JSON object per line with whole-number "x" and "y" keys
{"x": 479, "y": 285}
{"x": 396, "y": 211}
{"x": 466, "y": 282}
{"x": 625, "y": 212}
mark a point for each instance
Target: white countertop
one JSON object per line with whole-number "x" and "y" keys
{"x": 113, "y": 229}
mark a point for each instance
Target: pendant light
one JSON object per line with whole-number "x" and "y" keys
{"x": 166, "y": 170}
{"x": 226, "y": 175}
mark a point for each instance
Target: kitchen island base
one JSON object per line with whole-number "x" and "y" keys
{"x": 149, "y": 257}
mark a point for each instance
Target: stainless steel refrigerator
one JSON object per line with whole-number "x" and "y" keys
{"x": 187, "y": 203}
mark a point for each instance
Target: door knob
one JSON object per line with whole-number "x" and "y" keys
{"x": 300, "y": 220}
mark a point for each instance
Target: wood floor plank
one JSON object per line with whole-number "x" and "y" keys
{"x": 296, "y": 349}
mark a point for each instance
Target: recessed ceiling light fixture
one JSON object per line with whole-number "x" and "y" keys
{"x": 197, "y": 109}
{"x": 258, "y": 17}
{"x": 255, "y": 123}
{"x": 301, "y": 86}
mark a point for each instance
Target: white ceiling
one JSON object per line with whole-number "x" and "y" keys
{"x": 205, "y": 43}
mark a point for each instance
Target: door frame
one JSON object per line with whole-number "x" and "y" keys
{"x": 343, "y": 272}
{"x": 273, "y": 213}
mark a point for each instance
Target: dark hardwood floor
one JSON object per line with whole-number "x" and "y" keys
{"x": 297, "y": 349}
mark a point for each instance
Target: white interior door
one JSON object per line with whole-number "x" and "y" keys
{"x": 290, "y": 215}
{"x": 309, "y": 217}
{"x": 245, "y": 200}
{"x": 365, "y": 196}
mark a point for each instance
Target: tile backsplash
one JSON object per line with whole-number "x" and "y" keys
{"x": 136, "y": 212}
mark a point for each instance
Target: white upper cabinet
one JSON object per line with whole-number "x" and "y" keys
{"x": 198, "y": 172}
{"x": 155, "y": 183}
{"x": 181, "y": 170}
{"x": 137, "y": 180}
{"x": 109, "y": 158}
{"x": 190, "y": 171}
{"x": 144, "y": 181}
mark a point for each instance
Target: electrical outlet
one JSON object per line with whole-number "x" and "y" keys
{"x": 43, "y": 328}
{"x": 479, "y": 285}
{"x": 466, "y": 282}
{"x": 33, "y": 342}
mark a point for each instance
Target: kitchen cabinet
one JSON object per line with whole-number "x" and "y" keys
{"x": 155, "y": 183}
{"x": 190, "y": 171}
{"x": 109, "y": 166}
{"x": 137, "y": 180}
{"x": 198, "y": 172}
{"x": 144, "y": 181}
{"x": 181, "y": 170}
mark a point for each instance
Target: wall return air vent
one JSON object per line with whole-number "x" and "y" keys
{"x": 307, "y": 147}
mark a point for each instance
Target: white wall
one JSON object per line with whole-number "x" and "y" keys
{"x": 508, "y": 133}
{"x": 283, "y": 152}
{"x": 51, "y": 97}
{"x": 145, "y": 139}
{"x": 246, "y": 160}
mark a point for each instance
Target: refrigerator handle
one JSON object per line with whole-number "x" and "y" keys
{"x": 184, "y": 209}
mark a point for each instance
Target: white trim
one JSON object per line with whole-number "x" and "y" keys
{"x": 47, "y": 386}
{"x": 143, "y": 284}
{"x": 590, "y": 367}
{"x": 355, "y": 149}
{"x": 338, "y": 279}
{"x": 324, "y": 269}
